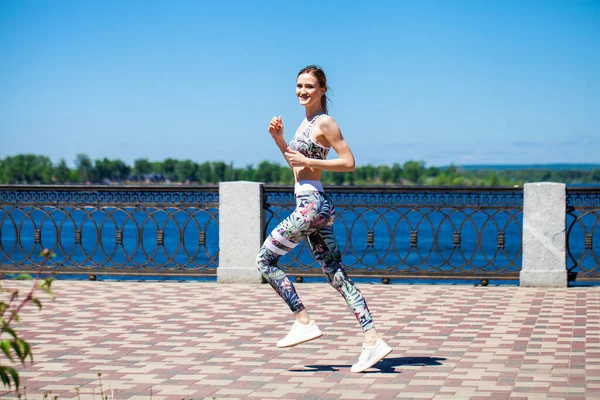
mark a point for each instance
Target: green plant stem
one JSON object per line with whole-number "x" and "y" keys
{"x": 30, "y": 294}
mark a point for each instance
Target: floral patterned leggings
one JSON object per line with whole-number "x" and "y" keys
{"x": 313, "y": 218}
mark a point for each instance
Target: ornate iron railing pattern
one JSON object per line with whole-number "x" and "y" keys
{"x": 139, "y": 230}
{"x": 415, "y": 231}
{"x": 583, "y": 233}
{"x": 384, "y": 231}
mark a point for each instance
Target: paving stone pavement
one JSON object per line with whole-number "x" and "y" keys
{"x": 203, "y": 340}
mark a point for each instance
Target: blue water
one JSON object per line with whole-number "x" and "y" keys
{"x": 435, "y": 250}
{"x": 182, "y": 252}
{"x": 139, "y": 248}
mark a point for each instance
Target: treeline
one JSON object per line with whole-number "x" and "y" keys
{"x": 37, "y": 169}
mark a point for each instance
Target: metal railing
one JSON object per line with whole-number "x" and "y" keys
{"x": 387, "y": 232}
{"x": 415, "y": 232}
{"x": 583, "y": 234}
{"x": 125, "y": 230}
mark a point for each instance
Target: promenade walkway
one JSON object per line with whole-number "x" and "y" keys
{"x": 198, "y": 340}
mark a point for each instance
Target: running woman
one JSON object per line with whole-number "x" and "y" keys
{"x": 313, "y": 218}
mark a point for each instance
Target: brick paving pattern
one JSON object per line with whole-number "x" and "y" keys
{"x": 201, "y": 340}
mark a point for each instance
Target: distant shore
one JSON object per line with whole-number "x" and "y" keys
{"x": 39, "y": 169}
{"x": 555, "y": 167}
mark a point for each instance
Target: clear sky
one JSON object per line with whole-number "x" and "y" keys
{"x": 447, "y": 81}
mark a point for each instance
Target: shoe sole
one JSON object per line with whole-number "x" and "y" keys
{"x": 375, "y": 361}
{"x": 297, "y": 343}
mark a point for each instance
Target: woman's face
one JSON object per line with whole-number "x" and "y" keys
{"x": 308, "y": 90}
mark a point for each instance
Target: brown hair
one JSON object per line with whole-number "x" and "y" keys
{"x": 318, "y": 73}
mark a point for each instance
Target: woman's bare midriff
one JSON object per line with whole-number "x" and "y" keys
{"x": 307, "y": 174}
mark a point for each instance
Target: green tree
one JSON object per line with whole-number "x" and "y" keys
{"x": 493, "y": 179}
{"x": 3, "y": 177}
{"x": 370, "y": 173}
{"x": 286, "y": 176}
{"x": 74, "y": 176}
{"x": 62, "y": 172}
{"x": 230, "y": 173}
{"x": 30, "y": 168}
{"x": 84, "y": 166}
{"x": 338, "y": 178}
{"x": 349, "y": 178}
{"x": 101, "y": 170}
{"x": 432, "y": 172}
{"x": 396, "y": 173}
{"x": 267, "y": 172}
{"x": 248, "y": 174}
{"x": 39, "y": 169}
{"x": 413, "y": 171}
{"x": 219, "y": 168}
{"x": 204, "y": 174}
{"x": 385, "y": 174}
{"x": 142, "y": 166}
{"x": 27, "y": 168}
{"x": 120, "y": 170}
{"x": 169, "y": 167}
{"x": 186, "y": 170}
{"x": 12, "y": 172}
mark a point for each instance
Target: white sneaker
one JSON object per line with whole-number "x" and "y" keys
{"x": 300, "y": 333}
{"x": 369, "y": 356}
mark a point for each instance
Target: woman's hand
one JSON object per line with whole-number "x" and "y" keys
{"x": 296, "y": 159}
{"x": 276, "y": 127}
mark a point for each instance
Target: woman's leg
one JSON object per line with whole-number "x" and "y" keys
{"x": 274, "y": 247}
{"x": 327, "y": 252}
{"x": 287, "y": 235}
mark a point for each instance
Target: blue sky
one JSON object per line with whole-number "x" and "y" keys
{"x": 448, "y": 81}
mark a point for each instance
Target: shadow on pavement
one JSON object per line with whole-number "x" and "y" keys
{"x": 387, "y": 365}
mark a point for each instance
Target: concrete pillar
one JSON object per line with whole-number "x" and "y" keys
{"x": 241, "y": 223}
{"x": 544, "y": 243}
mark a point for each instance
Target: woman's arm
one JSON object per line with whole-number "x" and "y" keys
{"x": 276, "y": 131}
{"x": 333, "y": 136}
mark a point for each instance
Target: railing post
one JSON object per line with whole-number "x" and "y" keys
{"x": 544, "y": 225}
{"x": 241, "y": 223}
